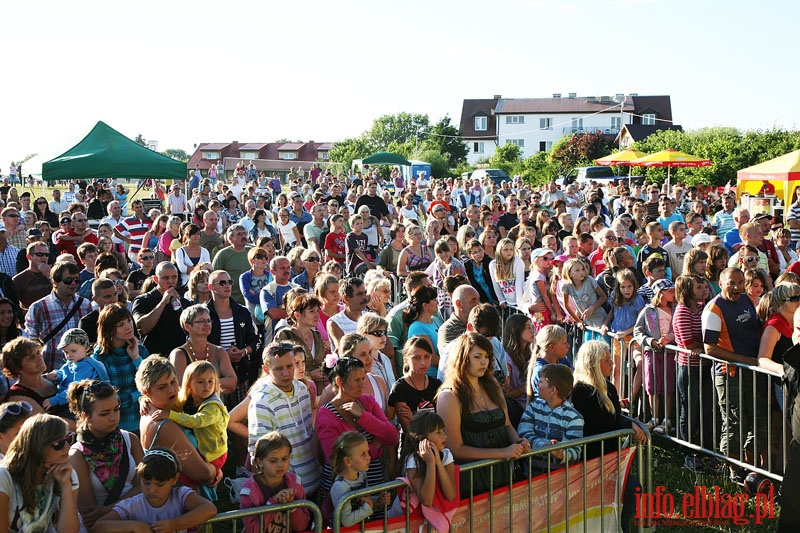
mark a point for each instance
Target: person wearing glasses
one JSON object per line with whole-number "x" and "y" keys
{"x": 12, "y": 416}
{"x": 57, "y": 312}
{"x": 43, "y": 213}
{"x": 232, "y": 329}
{"x": 38, "y": 458}
{"x": 34, "y": 283}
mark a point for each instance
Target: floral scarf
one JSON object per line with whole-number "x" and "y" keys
{"x": 106, "y": 457}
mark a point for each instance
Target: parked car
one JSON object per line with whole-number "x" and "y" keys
{"x": 495, "y": 174}
{"x": 601, "y": 175}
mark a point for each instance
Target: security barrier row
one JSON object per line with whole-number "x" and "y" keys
{"x": 585, "y": 495}
{"x": 733, "y": 412}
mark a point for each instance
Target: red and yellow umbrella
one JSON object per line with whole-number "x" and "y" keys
{"x": 620, "y": 159}
{"x": 671, "y": 158}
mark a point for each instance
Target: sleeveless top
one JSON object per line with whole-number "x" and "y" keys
{"x": 416, "y": 262}
{"x": 485, "y": 429}
{"x": 376, "y": 392}
{"x": 344, "y": 323}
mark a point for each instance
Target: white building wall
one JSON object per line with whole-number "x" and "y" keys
{"x": 489, "y": 147}
{"x": 561, "y": 124}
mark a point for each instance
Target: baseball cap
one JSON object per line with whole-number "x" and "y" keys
{"x": 74, "y": 336}
{"x": 65, "y": 220}
{"x": 541, "y": 252}
{"x": 560, "y": 258}
{"x": 2, "y": 227}
{"x": 701, "y": 238}
{"x": 32, "y": 233}
{"x": 662, "y": 285}
{"x": 761, "y": 216}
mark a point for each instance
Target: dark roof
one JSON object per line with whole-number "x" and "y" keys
{"x": 639, "y": 131}
{"x": 213, "y": 146}
{"x": 660, "y": 105}
{"x": 472, "y": 108}
{"x": 291, "y": 147}
{"x": 511, "y": 106}
{"x": 252, "y": 146}
{"x": 324, "y": 146}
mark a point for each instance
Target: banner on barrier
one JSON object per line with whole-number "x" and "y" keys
{"x": 533, "y": 503}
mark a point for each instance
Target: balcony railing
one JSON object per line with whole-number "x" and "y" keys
{"x": 607, "y": 130}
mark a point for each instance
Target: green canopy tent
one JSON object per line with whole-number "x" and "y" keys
{"x": 386, "y": 158}
{"x": 106, "y": 153}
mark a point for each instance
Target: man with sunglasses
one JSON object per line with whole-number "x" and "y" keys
{"x": 233, "y": 258}
{"x": 57, "y": 312}
{"x": 34, "y": 283}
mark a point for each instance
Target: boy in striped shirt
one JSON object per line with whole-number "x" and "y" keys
{"x": 551, "y": 418}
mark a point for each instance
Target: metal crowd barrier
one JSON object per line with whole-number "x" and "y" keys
{"x": 233, "y": 518}
{"x": 754, "y": 399}
{"x": 642, "y": 462}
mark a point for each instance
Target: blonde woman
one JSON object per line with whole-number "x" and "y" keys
{"x": 550, "y": 348}
{"x": 596, "y": 398}
{"x": 508, "y": 274}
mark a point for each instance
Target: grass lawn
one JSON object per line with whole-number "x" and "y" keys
{"x": 668, "y": 471}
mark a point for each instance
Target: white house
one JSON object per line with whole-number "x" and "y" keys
{"x": 536, "y": 123}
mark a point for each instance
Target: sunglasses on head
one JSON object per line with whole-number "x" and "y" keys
{"x": 66, "y": 440}
{"x": 95, "y": 388}
{"x": 281, "y": 348}
{"x": 12, "y": 411}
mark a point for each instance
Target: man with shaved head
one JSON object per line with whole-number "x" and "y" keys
{"x": 465, "y": 298}
{"x": 157, "y": 313}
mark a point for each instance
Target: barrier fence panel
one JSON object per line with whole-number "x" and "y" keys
{"x": 585, "y": 495}
{"x": 282, "y": 510}
{"x": 733, "y": 412}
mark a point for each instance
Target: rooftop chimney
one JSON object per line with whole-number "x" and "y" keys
{"x": 556, "y": 95}
{"x": 572, "y": 95}
{"x": 497, "y": 96}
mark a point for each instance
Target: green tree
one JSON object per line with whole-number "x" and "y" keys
{"x": 399, "y": 128}
{"x": 440, "y": 168}
{"x": 506, "y": 157}
{"x": 140, "y": 140}
{"x": 176, "y": 153}
{"x": 539, "y": 169}
{"x": 346, "y": 151}
{"x": 445, "y": 139}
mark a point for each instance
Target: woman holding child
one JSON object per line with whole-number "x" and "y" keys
{"x": 105, "y": 456}
{"x": 157, "y": 382}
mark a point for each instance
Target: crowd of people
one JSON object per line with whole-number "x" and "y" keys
{"x": 360, "y": 328}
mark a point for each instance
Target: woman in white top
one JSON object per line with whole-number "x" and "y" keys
{"x": 372, "y": 229}
{"x": 508, "y": 274}
{"x": 409, "y": 211}
{"x": 783, "y": 239}
{"x": 287, "y": 230}
{"x": 191, "y": 255}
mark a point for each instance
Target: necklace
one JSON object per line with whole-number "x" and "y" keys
{"x": 424, "y": 381}
{"x": 191, "y": 352}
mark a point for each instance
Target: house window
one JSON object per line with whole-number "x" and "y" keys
{"x": 323, "y": 155}
{"x": 515, "y": 119}
{"x": 545, "y": 146}
{"x": 248, "y": 155}
{"x": 481, "y": 123}
{"x": 616, "y": 123}
{"x": 211, "y": 155}
{"x": 477, "y": 147}
{"x": 288, "y": 155}
{"x": 649, "y": 119}
{"x": 518, "y": 142}
{"x": 545, "y": 123}
{"x": 577, "y": 125}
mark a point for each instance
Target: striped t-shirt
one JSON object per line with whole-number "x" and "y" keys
{"x": 135, "y": 228}
{"x": 227, "y": 335}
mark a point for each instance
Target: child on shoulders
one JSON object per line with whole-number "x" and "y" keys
{"x": 79, "y": 366}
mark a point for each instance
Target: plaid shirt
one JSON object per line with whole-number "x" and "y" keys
{"x": 44, "y": 315}
{"x": 8, "y": 260}
{"x": 121, "y": 370}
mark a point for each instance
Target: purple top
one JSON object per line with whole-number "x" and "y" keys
{"x": 137, "y": 508}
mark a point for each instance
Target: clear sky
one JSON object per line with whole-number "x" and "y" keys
{"x": 183, "y": 73}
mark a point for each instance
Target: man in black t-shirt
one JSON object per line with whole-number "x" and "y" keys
{"x": 509, "y": 219}
{"x": 157, "y": 313}
{"x": 377, "y": 207}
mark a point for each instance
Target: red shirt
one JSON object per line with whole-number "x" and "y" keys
{"x": 71, "y": 247}
{"x": 335, "y": 243}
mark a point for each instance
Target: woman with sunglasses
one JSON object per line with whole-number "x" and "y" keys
{"x": 196, "y": 321}
{"x": 12, "y": 415}
{"x": 42, "y": 211}
{"x": 311, "y": 260}
{"x": 38, "y": 487}
{"x": 105, "y": 456}
{"x": 158, "y": 384}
